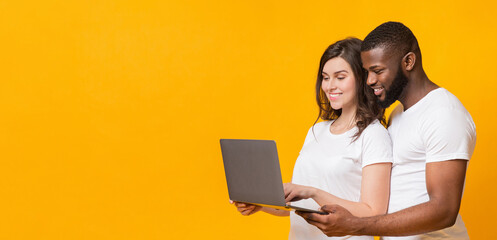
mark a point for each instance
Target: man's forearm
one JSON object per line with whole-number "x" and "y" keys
{"x": 422, "y": 218}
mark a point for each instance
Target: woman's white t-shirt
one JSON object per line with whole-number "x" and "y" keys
{"x": 334, "y": 163}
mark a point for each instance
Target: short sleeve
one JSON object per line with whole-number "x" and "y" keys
{"x": 449, "y": 134}
{"x": 376, "y": 145}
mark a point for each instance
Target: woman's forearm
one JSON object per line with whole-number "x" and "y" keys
{"x": 359, "y": 209}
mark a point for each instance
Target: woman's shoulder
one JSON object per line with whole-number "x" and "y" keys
{"x": 376, "y": 138}
{"x": 316, "y": 130}
{"x": 375, "y": 128}
{"x": 321, "y": 125}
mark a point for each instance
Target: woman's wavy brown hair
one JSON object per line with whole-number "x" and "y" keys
{"x": 367, "y": 107}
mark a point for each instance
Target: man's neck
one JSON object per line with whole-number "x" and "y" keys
{"x": 418, "y": 86}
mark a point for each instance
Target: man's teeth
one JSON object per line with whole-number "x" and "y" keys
{"x": 377, "y": 89}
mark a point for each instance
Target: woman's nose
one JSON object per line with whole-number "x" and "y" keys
{"x": 329, "y": 85}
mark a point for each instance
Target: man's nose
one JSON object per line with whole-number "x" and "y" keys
{"x": 371, "y": 80}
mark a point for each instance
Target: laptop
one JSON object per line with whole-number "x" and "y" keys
{"x": 253, "y": 173}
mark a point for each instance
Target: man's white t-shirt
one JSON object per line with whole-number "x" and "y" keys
{"x": 436, "y": 128}
{"x": 334, "y": 163}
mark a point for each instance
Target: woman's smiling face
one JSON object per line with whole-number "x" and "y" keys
{"x": 339, "y": 83}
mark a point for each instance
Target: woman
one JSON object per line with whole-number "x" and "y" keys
{"x": 346, "y": 159}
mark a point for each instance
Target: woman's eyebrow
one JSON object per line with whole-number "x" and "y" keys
{"x": 341, "y": 71}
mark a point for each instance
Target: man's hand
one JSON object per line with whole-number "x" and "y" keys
{"x": 338, "y": 222}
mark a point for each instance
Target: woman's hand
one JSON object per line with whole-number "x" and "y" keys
{"x": 247, "y": 209}
{"x": 294, "y": 192}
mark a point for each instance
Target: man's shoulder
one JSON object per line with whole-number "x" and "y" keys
{"x": 438, "y": 107}
{"x": 445, "y": 106}
{"x": 441, "y": 99}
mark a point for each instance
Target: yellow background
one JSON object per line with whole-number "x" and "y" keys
{"x": 111, "y": 111}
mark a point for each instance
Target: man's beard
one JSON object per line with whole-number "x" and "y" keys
{"x": 393, "y": 93}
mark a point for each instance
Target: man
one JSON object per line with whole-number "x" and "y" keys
{"x": 433, "y": 138}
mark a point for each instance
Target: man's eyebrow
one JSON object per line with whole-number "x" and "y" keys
{"x": 373, "y": 67}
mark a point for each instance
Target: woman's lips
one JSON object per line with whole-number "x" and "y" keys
{"x": 334, "y": 96}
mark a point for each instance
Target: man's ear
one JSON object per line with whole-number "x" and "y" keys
{"x": 408, "y": 61}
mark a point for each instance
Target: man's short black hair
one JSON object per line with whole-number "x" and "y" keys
{"x": 392, "y": 36}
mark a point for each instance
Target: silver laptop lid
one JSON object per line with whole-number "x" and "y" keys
{"x": 253, "y": 171}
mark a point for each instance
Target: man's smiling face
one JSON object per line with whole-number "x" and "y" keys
{"x": 385, "y": 75}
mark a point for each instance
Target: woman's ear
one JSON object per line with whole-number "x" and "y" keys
{"x": 408, "y": 61}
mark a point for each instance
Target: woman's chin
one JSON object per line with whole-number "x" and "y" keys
{"x": 336, "y": 106}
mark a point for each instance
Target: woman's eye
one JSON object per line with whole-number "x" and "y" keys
{"x": 340, "y": 78}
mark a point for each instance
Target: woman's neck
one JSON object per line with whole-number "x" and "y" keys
{"x": 345, "y": 122}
